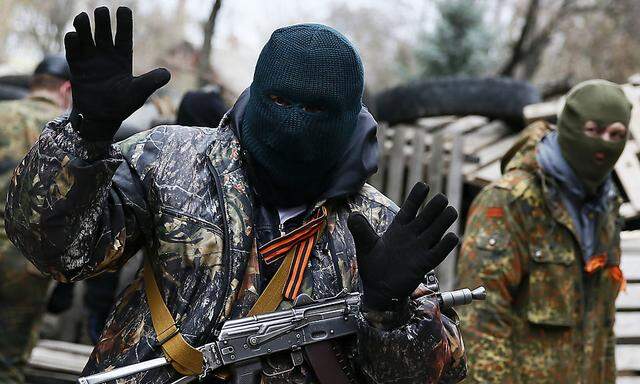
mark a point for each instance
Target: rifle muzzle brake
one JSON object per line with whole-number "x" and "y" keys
{"x": 461, "y": 297}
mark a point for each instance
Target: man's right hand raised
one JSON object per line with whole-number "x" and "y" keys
{"x": 105, "y": 92}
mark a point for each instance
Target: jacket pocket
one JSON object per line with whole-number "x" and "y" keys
{"x": 552, "y": 284}
{"x": 191, "y": 240}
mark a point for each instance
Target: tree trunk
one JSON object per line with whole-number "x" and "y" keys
{"x": 518, "y": 51}
{"x": 204, "y": 64}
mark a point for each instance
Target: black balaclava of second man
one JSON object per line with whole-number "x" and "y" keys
{"x": 303, "y": 108}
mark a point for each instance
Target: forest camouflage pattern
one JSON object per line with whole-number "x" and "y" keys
{"x": 181, "y": 194}
{"x": 545, "y": 319}
{"x": 23, "y": 290}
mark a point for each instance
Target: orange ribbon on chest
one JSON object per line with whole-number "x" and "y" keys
{"x": 300, "y": 241}
{"x": 599, "y": 261}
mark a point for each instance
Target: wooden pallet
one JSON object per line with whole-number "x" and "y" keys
{"x": 627, "y": 326}
{"x": 56, "y": 362}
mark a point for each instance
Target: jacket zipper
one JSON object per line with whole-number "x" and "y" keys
{"x": 225, "y": 239}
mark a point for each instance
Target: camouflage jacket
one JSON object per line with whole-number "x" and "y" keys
{"x": 546, "y": 319}
{"x": 182, "y": 194}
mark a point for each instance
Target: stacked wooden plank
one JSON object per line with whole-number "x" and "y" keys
{"x": 426, "y": 150}
{"x": 627, "y": 327}
{"x": 444, "y": 151}
{"x": 56, "y": 362}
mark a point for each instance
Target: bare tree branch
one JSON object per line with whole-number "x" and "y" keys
{"x": 204, "y": 65}
{"x": 557, "y": 87}
{"x": 528, "y": 49}
{"x": 516, "y": 52}
{"x": 47, "y": 23}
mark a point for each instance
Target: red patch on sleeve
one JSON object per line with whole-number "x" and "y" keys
{"x": 494, "y": 212}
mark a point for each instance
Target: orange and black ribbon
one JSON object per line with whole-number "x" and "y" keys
{"x": 301, "y": 242}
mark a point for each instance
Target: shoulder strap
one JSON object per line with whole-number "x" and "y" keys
{"x": 271, "y": 297}
{"x": 183, "y": 357}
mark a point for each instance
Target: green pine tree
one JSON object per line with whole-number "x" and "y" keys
{"x": 459, "y": 44}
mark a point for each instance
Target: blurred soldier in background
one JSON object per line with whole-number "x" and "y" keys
{"x": 23, "y": 290}
{"x": 545, "y": 242}
{"x": 204, "y": 108}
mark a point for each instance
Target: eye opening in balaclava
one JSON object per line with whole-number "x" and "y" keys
{"x": 293, "y": 147}
{"x": 604, "y": 103}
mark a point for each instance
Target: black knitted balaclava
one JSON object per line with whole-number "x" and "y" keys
{"x": 303, "y": 108}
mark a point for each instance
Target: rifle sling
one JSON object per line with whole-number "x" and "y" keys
{"x": 183, "y": 357}
{"x": 271, "y": 297}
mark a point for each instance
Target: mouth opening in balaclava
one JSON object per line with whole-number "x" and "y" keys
{"x": 592, "y": 158}
{"x": 302, "y": 110}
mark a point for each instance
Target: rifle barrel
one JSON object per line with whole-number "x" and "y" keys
{"x": 118, "y": 373}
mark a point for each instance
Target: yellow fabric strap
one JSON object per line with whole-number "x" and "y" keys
{"x": 183, "y": 357}
{"x": 271, "y": 297}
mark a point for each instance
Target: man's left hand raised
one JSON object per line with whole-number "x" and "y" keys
{"x": 391, "y": 266}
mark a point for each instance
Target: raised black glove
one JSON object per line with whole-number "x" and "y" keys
{"x": 393, "y": 265}
{"x": 105, "y": 92}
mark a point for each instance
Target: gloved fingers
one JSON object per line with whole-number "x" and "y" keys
{"x": 83, "y": 28}
{"x": 72, "y": 47}
{"x": 143, "y": 86}
{"x": 438, "y": 227}
{"x": 429, "y": 213}
{"x": 439, "y": 252}
{"x": 413, "y": 202}
{"x": 103, "y": 35}
{"x": 124, "y": 31}
{"x": 363, "y": 234}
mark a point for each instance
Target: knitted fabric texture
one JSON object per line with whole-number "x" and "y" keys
{"x": 294, "y": 147}
{"x": 604, "y": 103}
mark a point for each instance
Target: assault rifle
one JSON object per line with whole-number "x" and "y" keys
{"x": 242, "y": 343}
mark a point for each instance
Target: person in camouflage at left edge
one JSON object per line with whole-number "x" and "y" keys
{"x": 297, "y": 146}
{"x": 23, "y": 290}
{"x": 545, "y": 242}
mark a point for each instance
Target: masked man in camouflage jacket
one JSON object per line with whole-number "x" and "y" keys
{"x": 545, "y": 242}
{"x": 23, "y": 290}
{"x": 201, "y": 202}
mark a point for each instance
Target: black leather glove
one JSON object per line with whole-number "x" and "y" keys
{"x": 105, "y": 92}
{"x": 393, "y": 265}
